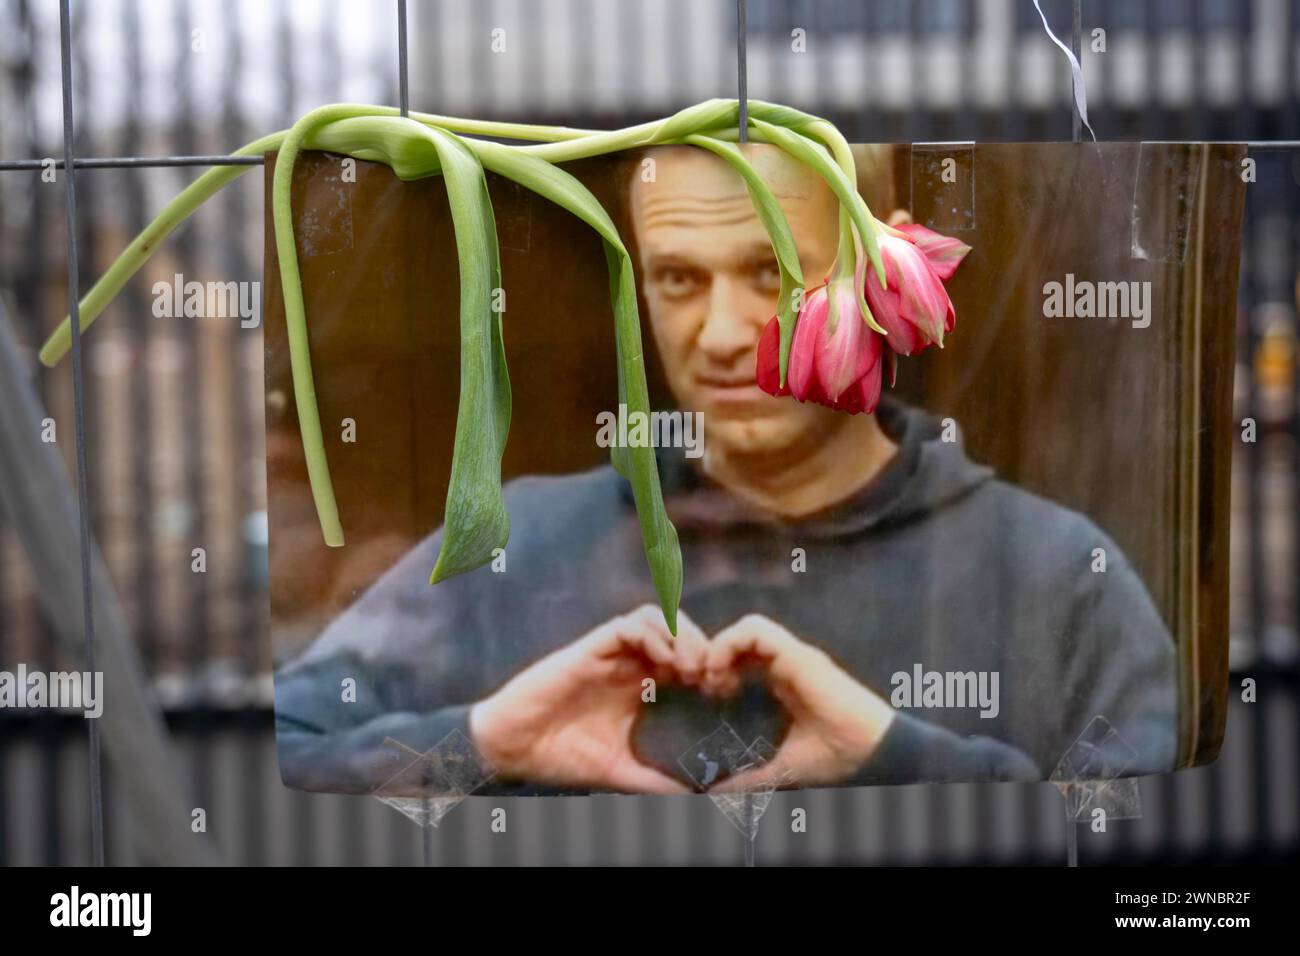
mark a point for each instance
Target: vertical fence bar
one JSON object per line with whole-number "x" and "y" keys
{"x": 741, "y": 83}
{"x": 87, "y": 199}
{"x": 74, "y": 298}
{"x": 403, "y": 88}
{"x": 1076, "y": 44}
{"x": 98, "y": 477}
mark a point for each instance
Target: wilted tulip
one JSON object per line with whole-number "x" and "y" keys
{"x": 915, "y": 309}
{"x": 835, "y": 357}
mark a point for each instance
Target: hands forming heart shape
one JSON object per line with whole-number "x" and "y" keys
{"x": 570, "y": 720}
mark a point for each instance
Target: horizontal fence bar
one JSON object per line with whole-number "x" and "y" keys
{"x": 131, "y": 162}
{"x": 145, "y": 162}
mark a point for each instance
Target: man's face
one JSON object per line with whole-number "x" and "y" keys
{"x": 711, "y": 283}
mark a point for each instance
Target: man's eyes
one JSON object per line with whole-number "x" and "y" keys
{"x": 767, "y": 276}
{"x": 678, "y": 282}
{"x": 681, "y": 282}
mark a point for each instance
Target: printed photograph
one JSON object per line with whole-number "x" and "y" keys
{"x": 921, "y": 554}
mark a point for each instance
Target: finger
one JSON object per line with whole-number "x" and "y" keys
{"x": 645, "y": 630}
{"x": 692, "y": 649}
{"x": 756, "y": 636}
{"x": 747, "y": 636}
{"x": 625, "y": 668}
{"x": 634, "y": 777}
{"x": 651, "y": 616}
{"x": 634, "y": 633}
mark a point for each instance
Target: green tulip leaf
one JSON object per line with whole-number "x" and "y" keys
{"x": 636, "y": 464}
{"x": 476, "y": 522}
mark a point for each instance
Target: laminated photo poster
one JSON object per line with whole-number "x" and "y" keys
{"x": 987, "y": 540}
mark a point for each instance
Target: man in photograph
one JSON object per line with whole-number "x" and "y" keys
{"x": 845, "y": 576}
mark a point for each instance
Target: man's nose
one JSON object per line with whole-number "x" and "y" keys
{"x": 733, "y": 324}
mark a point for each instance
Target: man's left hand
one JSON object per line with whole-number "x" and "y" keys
{"x": 836, "y": 722}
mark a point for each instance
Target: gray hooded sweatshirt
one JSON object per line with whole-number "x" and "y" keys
{"x": 935, "y": 568}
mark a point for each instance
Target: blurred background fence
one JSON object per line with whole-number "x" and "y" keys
{"x": 175, "y": 421}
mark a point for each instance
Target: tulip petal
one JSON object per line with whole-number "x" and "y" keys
{"x": 944, "y": 253}
{"x": 888, "y": 305}
{"x": 845, "y": 353}
{"x": 864, "y": 395}
{"x": 801, "y": 374}
{"x": 918, "y": 296}
{"x": 768, "y": 364}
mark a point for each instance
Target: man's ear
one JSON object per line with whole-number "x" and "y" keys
{"x": 899, "y": 217}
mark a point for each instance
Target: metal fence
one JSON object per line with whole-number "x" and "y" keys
{"x": 174, "y": 421}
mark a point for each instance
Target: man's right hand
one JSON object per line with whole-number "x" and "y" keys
{"x": 567, "y": 720}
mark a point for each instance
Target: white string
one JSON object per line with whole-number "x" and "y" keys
{"x": 1080, "y": 90}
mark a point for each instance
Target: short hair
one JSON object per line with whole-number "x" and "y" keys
{"x": 878, "y": 169}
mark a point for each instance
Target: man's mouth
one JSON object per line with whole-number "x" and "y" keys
{"x": 729, "y": 386}
{"x": 733, "y": 396}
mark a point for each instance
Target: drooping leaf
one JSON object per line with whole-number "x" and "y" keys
{"x": 636, "y": 464}
{"x": 134, "y": 256}
{"x": 660, "y": 537}
{"x": 476, "y": 522}
{"x": 295, "y": 319}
